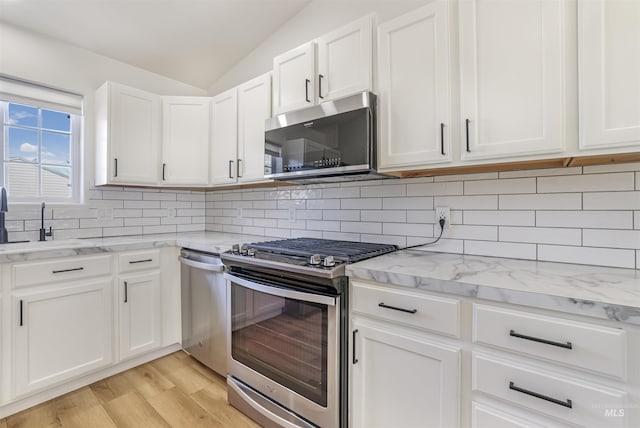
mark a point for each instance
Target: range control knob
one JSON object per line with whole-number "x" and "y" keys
{"x": 244, "y": 250}
{"x": 235, "y": 249}
{"x": 329, "y": 261}
{"x": 251, "y": 252}
{"x": 315, "y": 260}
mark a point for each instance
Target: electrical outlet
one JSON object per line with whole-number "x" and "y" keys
{"x": 445, "y": 213}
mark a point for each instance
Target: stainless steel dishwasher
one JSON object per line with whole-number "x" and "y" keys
{"x": 204, "y": 308}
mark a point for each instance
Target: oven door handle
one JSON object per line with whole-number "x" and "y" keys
{"x": 282, "y": 292}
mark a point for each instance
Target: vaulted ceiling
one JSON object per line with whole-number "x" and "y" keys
{"x": 193, "y": 41}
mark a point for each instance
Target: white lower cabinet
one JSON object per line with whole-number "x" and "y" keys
{"x": 140, "y": 314}
{"x": 60, "y": 333}
{"x": 402, "y": 379}
{"x": 483, "y": 416}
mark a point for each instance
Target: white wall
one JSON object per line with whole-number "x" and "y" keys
{"x": 318, "y": 18}
{"x": 35, "y": 58}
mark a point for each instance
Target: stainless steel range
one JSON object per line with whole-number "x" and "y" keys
{"x": 288, "y": 350}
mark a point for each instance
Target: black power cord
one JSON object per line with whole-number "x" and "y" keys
{"x": 441, "y": 222}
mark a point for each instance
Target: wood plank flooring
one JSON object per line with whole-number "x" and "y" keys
{"x": 173, "y": 391}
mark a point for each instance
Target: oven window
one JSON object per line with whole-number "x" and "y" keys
{"x": 283, "y": 339}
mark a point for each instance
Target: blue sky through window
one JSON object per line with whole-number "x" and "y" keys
{"x": 23, "y": 143}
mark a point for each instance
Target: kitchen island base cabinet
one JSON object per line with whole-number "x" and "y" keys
{"x": 61, "y": 334}
{"x": 140, "y": 314}
{"x": 402, "y": 380}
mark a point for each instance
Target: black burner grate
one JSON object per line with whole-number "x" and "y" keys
{"x": 345, "y": 251}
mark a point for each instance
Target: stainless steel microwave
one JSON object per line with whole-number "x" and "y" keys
{"x": 333, "y": 141}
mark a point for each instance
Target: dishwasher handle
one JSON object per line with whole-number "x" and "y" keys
{"x": 199, "y": 265}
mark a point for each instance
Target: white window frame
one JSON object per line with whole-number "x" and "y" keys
{"x": 75, "y": 153}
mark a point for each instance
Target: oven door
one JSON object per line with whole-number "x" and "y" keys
{"x": 284, "y": 345}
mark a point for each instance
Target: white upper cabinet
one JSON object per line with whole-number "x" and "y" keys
{"x": 609, "y": 74}
{"x": 512, "y": 72}
{"x": 127, "y": 135}
{"x": 185, "y": 142}
{"x": 343, "y": 67}
{"x": 294, "y": 79}
{"x": 224, "y": 138}
{"x": 254, "y": 107}
{"x": 344, "y": 60}
{"x": 414, "y": 88}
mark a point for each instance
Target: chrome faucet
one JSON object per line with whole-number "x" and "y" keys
{"x": 43, "y": 231}
{"x": 4, "y": 235}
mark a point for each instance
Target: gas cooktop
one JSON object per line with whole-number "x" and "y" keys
{"x": 318, "y": 257}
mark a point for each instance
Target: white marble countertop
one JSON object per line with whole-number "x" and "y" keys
{"x": 608, "y": 293}
{"x": 601, "y": 292}
{"x": 214, "y": 242}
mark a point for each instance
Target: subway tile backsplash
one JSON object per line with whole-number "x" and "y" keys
{"x": 587, "y": 215}
{"x": 114, "y": 211}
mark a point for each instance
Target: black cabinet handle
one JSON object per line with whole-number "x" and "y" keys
{"x": 320, "y": 76}
{"x": 306, "y": 90}
{"x": 230, "y": 166}
{"x": 238, "y": 169}
{"x": 466, "y": 122}
{"x": 20, "y": 313}
{"x": 115, "y": 174}
{"x": 126, "y": 292}
{"x": 67, "y": 270}
{"x": 566, "y": 345}
{"x": 131, "y": 262}
{"x": 353, "y": 339}
{"x": 566, "y": 403}
{"x": 395, "y": 308}
{"x": 442, "y": 139}
{"x": 164, "y": 167}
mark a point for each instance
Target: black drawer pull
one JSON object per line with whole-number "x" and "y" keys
{"x": 126, "y": 292}
{"x": 567, "y": 403}
{"x": 116, "y": 168}
{"x": 230, "y": 166}
{"x": 164, "y": 167}
{"x": 306, "y": 90}
{"x": 566, "y": 345}
{"x": 320, "y": 76}
{"x": 395, "y": 308}
{"x": 442, "y": 139}
{"x": 353, "y": 339}
{"x": 67, "y": 270}
{"x": 20, "y": 313}
{"x": 131, "y": 262}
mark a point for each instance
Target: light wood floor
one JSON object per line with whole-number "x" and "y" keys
{"x": 173, "y": 391}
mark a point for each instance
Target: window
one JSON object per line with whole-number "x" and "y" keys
{"x": 40, "y": 151}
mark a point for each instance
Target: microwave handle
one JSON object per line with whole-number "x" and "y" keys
{"x": 282, "y": 292}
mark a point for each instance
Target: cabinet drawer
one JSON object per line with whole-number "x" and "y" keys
{"x": 415, "y": 309}
{"x": 587, "y": 346}
{"x": 67, "y": 269}
{"x": 138, "y": 260}
{"x": 484, "y": 416}
{"x": 553, "y": 394}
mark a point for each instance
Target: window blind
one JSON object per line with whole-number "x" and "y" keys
{"x": 18, "y": 91}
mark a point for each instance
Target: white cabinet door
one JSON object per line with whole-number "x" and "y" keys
{"x": 609, "y": 73}
{"x": 127, "y": 135}
{"x": 293, "y": 79}
{"x": 414, "y": 88}
{"x": 344, "y": 60}
{"x": 512, "y": 77}
{"x": 224, "y": 138}
{"x": 61, "y": 334}
{"x": 402, "y": 380}
{"x": 140, "y": 320}
{"x": 254, "y": 107}
{"x": 185, "y": 140}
